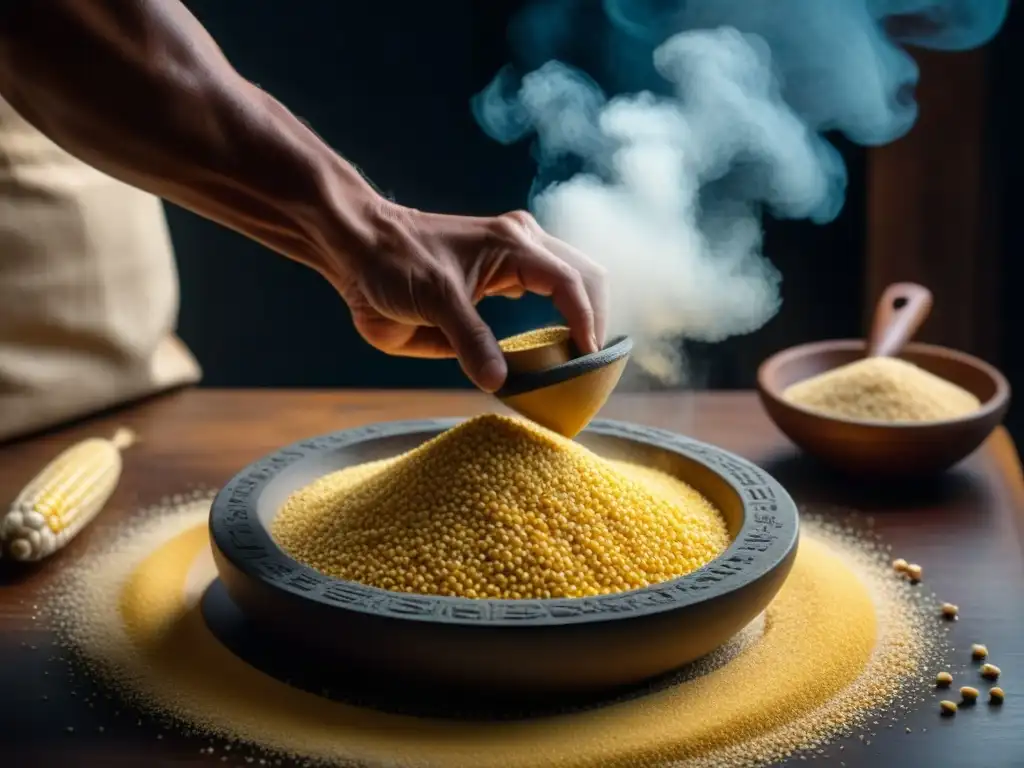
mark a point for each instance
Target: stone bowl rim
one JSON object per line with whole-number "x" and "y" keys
{"x": 768, "y": 534}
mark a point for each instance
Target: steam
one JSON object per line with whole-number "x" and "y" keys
{"x": 726, "y": 102}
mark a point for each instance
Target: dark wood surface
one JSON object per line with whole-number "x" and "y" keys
{"x": 966, "y": 530}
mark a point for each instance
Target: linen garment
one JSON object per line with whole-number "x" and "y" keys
{"x": 88, "y": 288}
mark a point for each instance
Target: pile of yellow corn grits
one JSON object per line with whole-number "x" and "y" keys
{"x": 498, "y": 507}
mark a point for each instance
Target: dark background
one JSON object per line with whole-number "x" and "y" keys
{"x": 389, "y": 84}
{"x": 1006, "y": 121}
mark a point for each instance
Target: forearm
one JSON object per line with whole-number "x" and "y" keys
{"x": 139, "y": 90}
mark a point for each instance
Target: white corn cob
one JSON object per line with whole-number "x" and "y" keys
{"x": 64, "y": 497}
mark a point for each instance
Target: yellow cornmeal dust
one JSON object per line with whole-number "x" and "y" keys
{"x": 533, "y": 339}
{"x": 498, "y": 507}
{"x": 840, "y": 642}
{"x": 882, "y": 389}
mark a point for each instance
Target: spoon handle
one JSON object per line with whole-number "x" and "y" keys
{"x": 900, "y": 312}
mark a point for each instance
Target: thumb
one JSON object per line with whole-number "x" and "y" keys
{"x": 473, "y": 342}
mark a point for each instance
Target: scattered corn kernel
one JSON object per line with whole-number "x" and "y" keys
{"x": 969, "y": 694}
{"x": 950, "y": 611}
{"x": 498, "y": 507}
{"x": 979, "y": 651}
{"x": 996, "y": 695}
{"x": 948, "y": 708}
{"x": 943, "y": 679}
{"x": 882, "y": 389}
{"x": 837, "y": 588}
{"x": 900, "y": 565}
{"x": 914, "y": 571}
{"x": 990, "y": 671}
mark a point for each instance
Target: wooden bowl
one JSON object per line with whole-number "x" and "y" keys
{"x": 883, "y": 450}
{"x": 514, "y": 646}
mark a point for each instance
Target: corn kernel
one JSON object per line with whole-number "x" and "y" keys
{"x": 900, "y": 565}
{"x": 499, "y": 508}
{"x": 533, "y": 339}
{"x": 978, "y": 652}
{"x": 914, "y": 572}
{"x": 882, "y": 389}
{"x": 996, "y": 695}
{"x": 969, "y": 694}
{"x": 948, "y": 708}
{"x": 990, "y": 671}
{"x": 943, "y": 679}
{"x": 950, "y": 611}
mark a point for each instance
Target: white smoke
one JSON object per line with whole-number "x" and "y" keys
{"x": 684, "y": 256}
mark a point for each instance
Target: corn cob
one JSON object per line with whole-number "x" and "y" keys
{"x": 64, "y": 497}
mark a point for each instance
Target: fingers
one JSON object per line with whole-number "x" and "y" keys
{"x": 571, "y": 299}
{"x": 552, "y": 268}
{"x": 393, "y": 338}
{"x": 595, "y": 282}
{"x": 457, "y": 330}
{"x": 507, "y": 286}
{"x": 470, "y": 338}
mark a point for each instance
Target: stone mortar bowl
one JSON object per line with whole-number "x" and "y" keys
{"x": 532, "y": 647}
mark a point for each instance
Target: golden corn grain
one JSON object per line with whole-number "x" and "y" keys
{"x": 996, "y": 695}
{"x": 969, "y": 694}
{"x": 884, "y": 389}
{"x": 64, "y": 497}
{"x": 914, "y": 571}
{"x": 943, "y": 679}
{"x": 498, "y": 507}
{"x": 950, "y": 611}
{"x": 978, "y": 652}
{"x": 948, "y": 708}
{"x": 990, "y": 671}
{"x": 533, "y": 339}
{"x": 900, "y": 565}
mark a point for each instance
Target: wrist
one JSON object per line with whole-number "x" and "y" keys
{"x": 352, "y": 222}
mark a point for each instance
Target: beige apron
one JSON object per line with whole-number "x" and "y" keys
{"x": 88, "y": 288}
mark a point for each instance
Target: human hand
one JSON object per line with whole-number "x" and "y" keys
{"x": 414, "y": 293}
{"x": 200, "y": 135}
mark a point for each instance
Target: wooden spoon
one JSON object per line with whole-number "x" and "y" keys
{"x": 901, "y": 311}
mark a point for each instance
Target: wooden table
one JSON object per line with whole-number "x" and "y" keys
{"x": 966, "y": 530}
